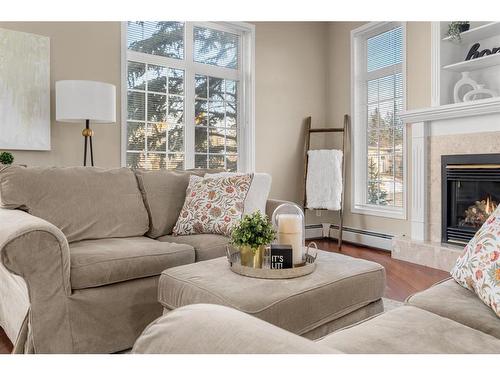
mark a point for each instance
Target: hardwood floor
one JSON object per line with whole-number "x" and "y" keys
{"x": 5, "y": 344}
{"x": 403, "y": 278}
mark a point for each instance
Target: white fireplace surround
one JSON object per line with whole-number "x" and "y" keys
{"x": 477, "y": 117}
{"x": 426, "y": 125}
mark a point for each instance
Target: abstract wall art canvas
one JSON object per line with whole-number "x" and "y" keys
{"x": 24, "y": 91}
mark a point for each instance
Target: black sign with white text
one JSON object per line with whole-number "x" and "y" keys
{"x": 281, "y": 257}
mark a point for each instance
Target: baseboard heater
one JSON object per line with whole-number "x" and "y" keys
{"x": 357, "y": 236}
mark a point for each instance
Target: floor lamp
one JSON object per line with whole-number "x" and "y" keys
{"x": 87, "y": 101}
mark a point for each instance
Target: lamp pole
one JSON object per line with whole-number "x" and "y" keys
{"x": 88, "y": 133}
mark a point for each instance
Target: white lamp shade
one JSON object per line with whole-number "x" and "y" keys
{"x": 85, "y": 100}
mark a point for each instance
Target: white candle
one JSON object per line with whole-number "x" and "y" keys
{"x": 290, "y": 233}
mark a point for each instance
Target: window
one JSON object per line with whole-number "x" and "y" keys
{"x": 378, "y": 141}
{"x": 188, "y": 95}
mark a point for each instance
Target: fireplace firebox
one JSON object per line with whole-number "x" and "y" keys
{"x": 470, "y": 193}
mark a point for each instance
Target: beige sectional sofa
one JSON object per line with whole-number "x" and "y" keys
{"x": 444, "y": 319}
{"x": 81, "y": 251}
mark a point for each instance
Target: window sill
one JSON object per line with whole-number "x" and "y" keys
{"x": 388, "y": 212}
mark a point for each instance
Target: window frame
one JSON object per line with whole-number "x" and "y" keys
{"x": 246, "y": 90}
{"x": 359, "y": 79}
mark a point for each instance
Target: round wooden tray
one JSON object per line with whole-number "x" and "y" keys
{"x": 267, "y": 273}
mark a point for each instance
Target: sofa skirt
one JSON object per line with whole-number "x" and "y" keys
{"x": 14, "y": 304}
{"x": 106, "y": 319}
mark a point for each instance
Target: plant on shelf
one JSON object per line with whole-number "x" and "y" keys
{"x": 6, "y": 158}
{"x": 455, "y": 29}
{"x": 250, "y": 236}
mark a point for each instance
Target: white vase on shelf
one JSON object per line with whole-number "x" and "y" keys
{"x": 480, "y": 93}
{"x": 464, "y": 82}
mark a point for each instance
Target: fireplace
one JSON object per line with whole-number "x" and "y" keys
{"x": 470, "y": 193}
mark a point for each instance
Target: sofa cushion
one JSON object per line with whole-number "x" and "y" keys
{"x": 107, "y": 261}
{"x": 410, "y": 330}
{"x": 164, "y": 192}
{"x": 84, "y": 202}
{"x": 450, "y": 300}
{"x": 206, "y": 246}
{"x": 219, "y": 330}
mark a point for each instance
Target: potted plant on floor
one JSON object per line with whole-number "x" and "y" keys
{"x": 250, "y": 236}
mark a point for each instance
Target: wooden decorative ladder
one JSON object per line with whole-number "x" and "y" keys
{"x": 344, "y": 130}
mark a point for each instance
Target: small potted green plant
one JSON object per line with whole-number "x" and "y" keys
{"x": 6, "y": 158}
{"x": 250, "y": 236}
{"x": 456, "y": 28}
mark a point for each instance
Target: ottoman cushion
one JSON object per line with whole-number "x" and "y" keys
{"x": 339, "y": 285}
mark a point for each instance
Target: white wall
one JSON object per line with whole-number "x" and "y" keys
{"x": 291, "y": 66}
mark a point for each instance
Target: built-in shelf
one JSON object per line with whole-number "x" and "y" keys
{"x": 448, "y": 62}
{"x": 475, "y": 64}
{"x": 477, "y": 33}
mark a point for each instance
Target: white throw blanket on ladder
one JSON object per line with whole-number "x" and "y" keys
{"x": 324, "y": 179}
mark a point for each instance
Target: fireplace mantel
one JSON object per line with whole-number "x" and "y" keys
{"x": 451, "y": 111}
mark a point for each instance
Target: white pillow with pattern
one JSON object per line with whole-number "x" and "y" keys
{"x": 257, "y": 194}
{"x": 213, "y": 205}
{"x": 478, "y": 268}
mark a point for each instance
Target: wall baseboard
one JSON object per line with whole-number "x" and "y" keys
{"x": 357, "y": 236}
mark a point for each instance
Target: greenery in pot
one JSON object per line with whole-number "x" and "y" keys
{"x": 254, "y": 230}
{"x": 250, "y": 236}
{"x": 456, "y": 28}
{"x": 6, "y": 158}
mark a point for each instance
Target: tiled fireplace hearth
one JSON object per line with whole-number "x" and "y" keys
{"x": 440, "y": 134}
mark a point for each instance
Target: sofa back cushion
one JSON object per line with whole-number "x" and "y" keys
{"x": 164, "y": 192}
{"x": 85, "y": 203}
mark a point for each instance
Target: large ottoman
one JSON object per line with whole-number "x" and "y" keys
{"x": 341, "y": 291}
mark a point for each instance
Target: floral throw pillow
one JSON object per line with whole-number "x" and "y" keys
{"x": 478, "y": 268}
{"x": 213, "y": 205}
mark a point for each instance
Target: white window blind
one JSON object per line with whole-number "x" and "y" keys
{"x": 385, "y": 129}
{"x": 215, "y": 47}
{"x": 216, "y": 143}
{"x": 156, "y": 38}
{"x": 185, "y": 86}
{"x": 378, "y": 101}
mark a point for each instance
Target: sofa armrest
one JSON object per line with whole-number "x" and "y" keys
{"x": 214, "y": 329}
{"x": 36, "y": 250}
{"x": 272, "y": 204}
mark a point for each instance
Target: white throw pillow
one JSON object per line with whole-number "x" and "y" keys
{"x": 257, "y": 194}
